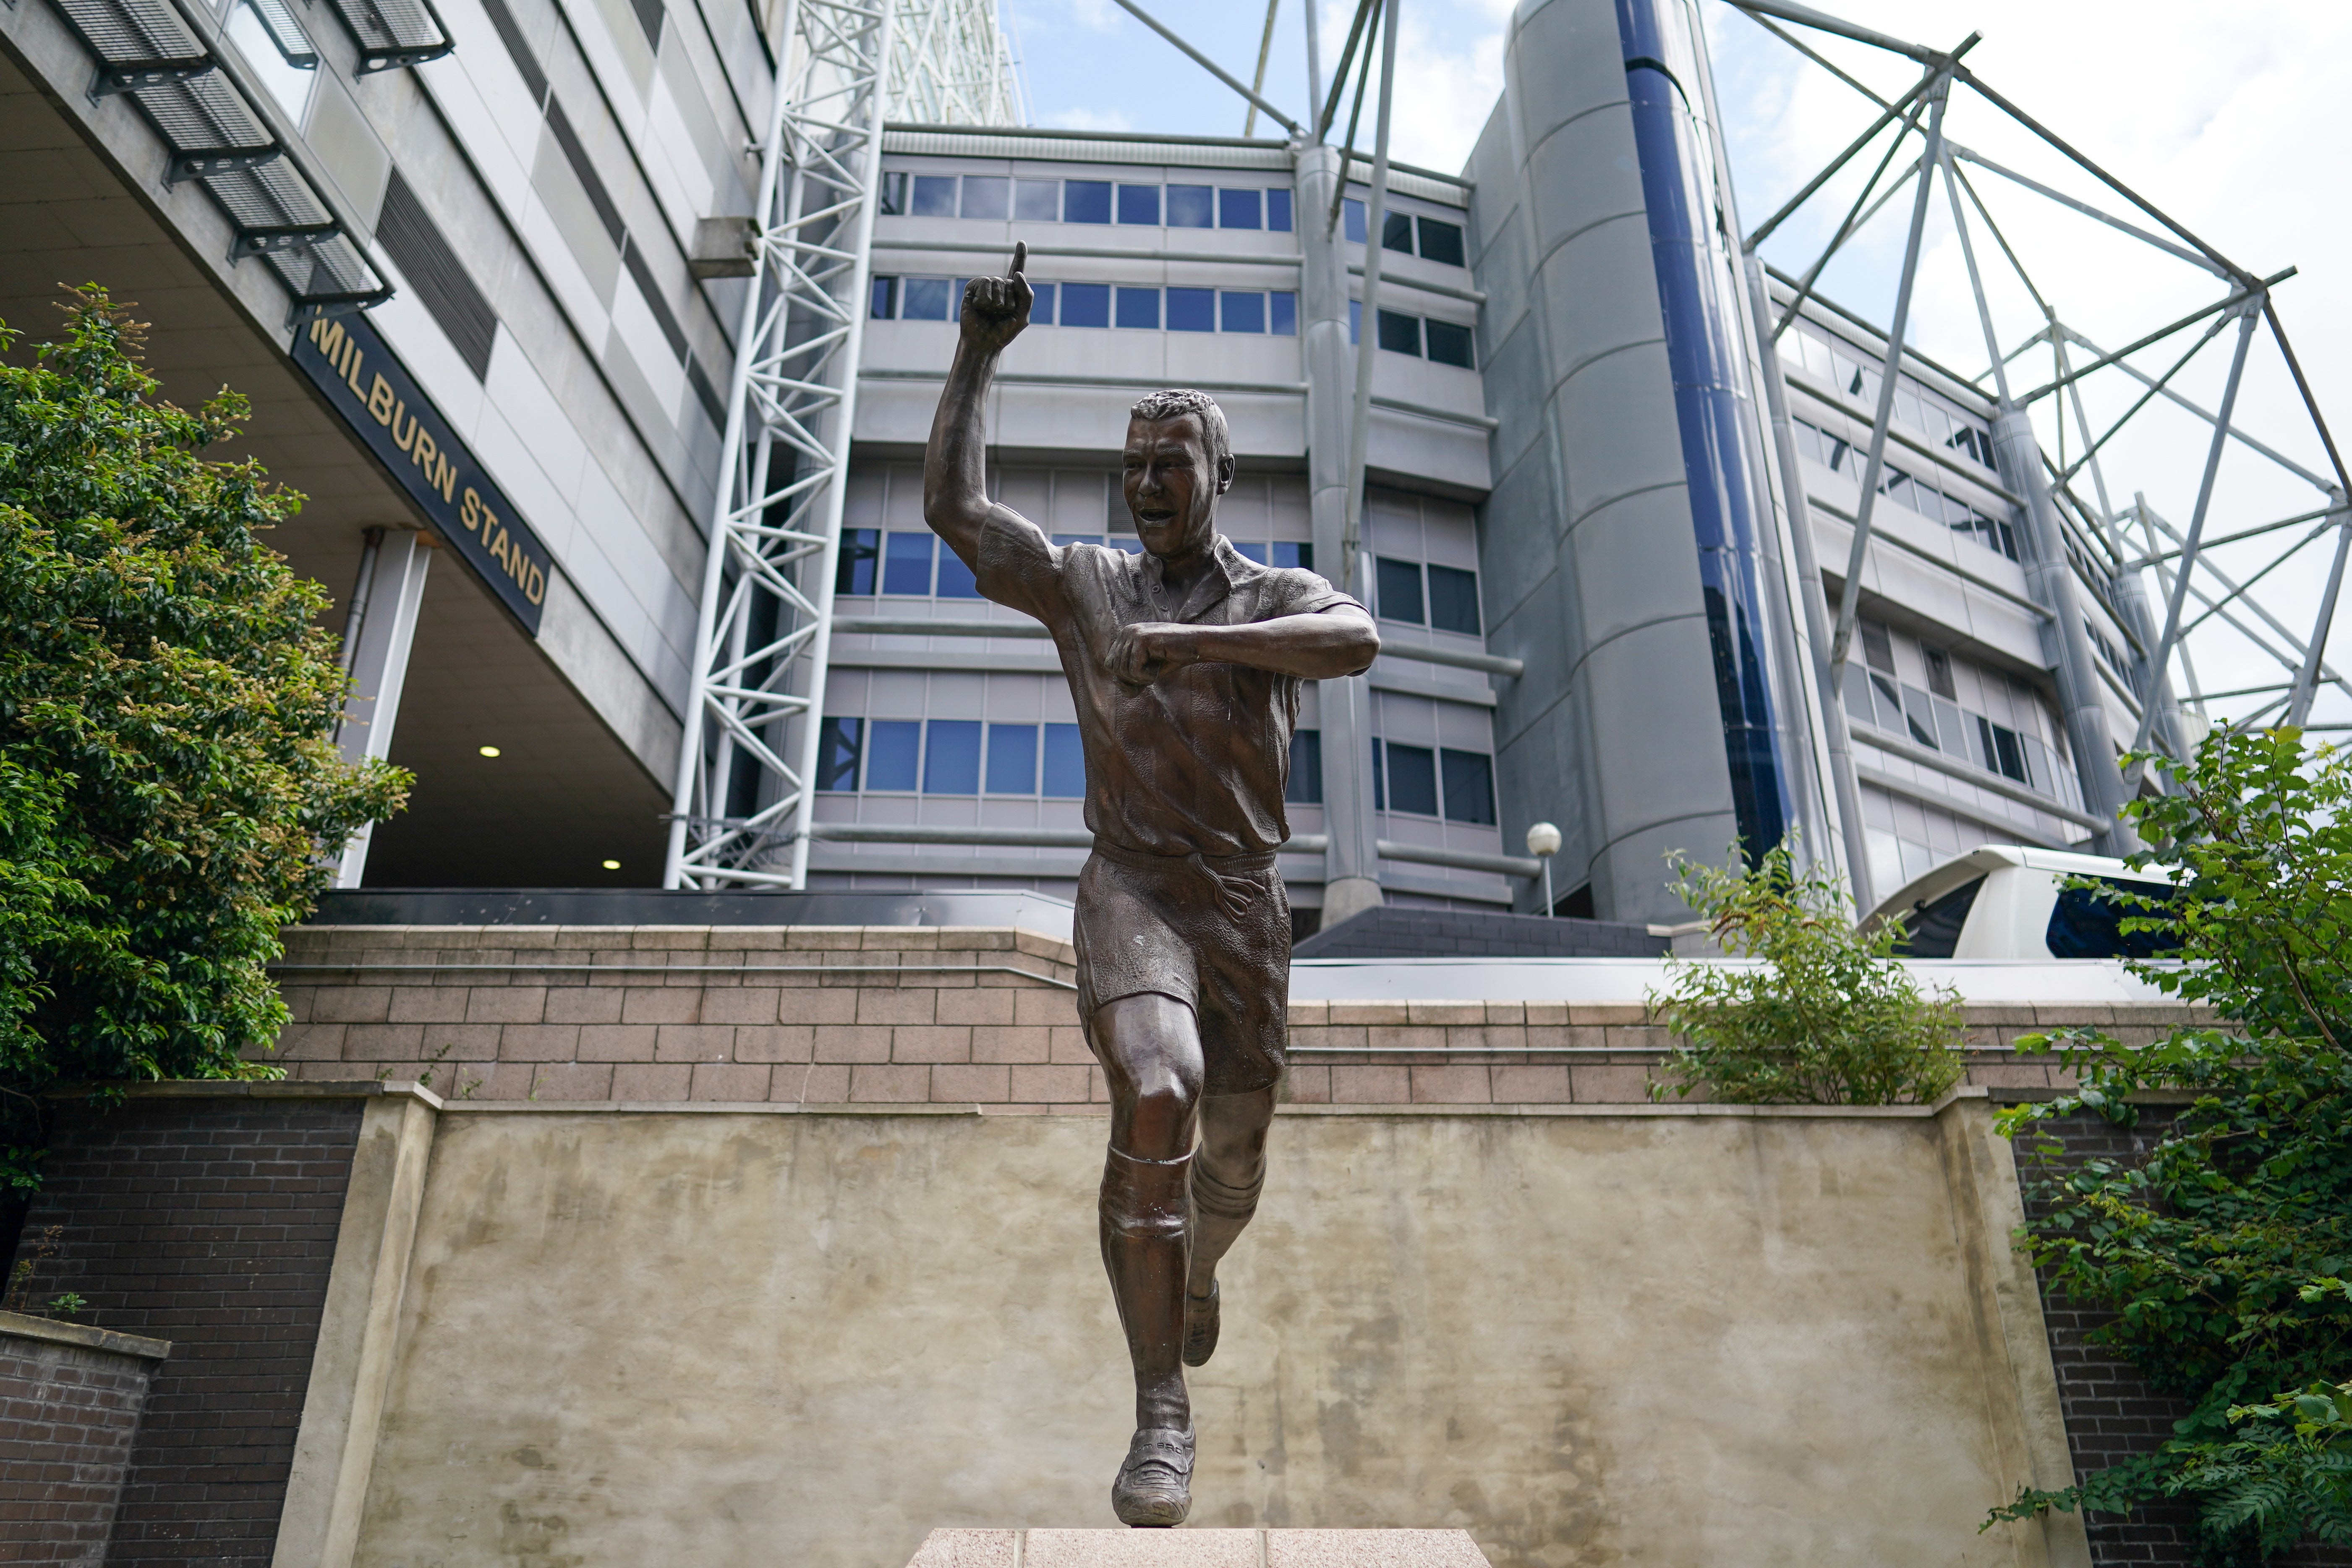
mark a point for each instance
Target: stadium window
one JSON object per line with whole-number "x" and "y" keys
{"x": 924, "y": 299}
{"x": 951, "y": 756}
{"x": 1250, "y": 552}
{"x": 934, "y": 195}
{"x": 853, "y": 572}
{"x": 1441, "y": 242}
{"x": 1138, "y": 307}
{"x": 886, "y": 298}
{"x": 1355, "y": 321}
{"x": 1013, "y": 759}
{"x": 1041, "y": 309}
{"x": 1085, "y": 201}
{"x": 1299, "y": 556}
{"x": 1877, "y": 647}
{"x": 1379, "y": 778}
{"x": 1189, "y": 310}
{"x": 907, "y": 564}
{"x": 1449, "y": 344}
{"x": 1080, "y": 538}
{"x": 1241, "y": 313}
{"x": 1282, "y": 314}
{"x": 1413, "y": 780}
{"x": 1086, "y": 304}
{"x": 1396, "y": 232}
{"x": 894, "y": 196}
{"x": 1399, "y": 589}
{"x": 1239, "y": 209}
{"x": 1306, "y": 784}
{"x": 1138, "y": 205}
{"x": 1065, "y": 763}
{"x": 894, "y": 748}
{"x": 837, "y": 743}
{"x": 1400, "y": 334}
{"x": 1036, "y": 201}
{"x": 1351, "y": 213}
{"x": 986, "y": 195}
{"x": 1469, "y": 780}
{"x": 1277, "y": 211}
{"x": 1453, "y": 600}
{"x": 1192, "y": 206}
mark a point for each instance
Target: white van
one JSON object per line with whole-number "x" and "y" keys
{"x": 2007, "y": 901}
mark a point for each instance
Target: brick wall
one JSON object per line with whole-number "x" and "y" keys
{"x": 209, "y": 1222}
{"x": 2111, "y": 1411}
{"x": 902, "y": 1014}
{"x": 70, "y": 1403}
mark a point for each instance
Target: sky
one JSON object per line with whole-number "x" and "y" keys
{"x": 2235, "y": 120}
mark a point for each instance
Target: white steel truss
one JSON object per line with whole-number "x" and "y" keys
{"x": 741, "y": 812}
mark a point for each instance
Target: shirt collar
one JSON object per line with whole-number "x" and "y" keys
{"x": 1227, "y": 571}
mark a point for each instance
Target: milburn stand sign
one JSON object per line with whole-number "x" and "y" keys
{"x": 377, "y": 398}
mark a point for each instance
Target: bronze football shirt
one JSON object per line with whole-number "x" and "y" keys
{"x": 1198, "y": 759}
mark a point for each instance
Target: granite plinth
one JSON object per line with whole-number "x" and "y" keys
{"x": 1199, "y": 1549}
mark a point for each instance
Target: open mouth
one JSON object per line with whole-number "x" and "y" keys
{"x": 1154, "y": 517}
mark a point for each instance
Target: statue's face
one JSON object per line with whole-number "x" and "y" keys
{"x": 1171, "y": 488}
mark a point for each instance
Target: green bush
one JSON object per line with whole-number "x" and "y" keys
{"x": 1829, "y": 1019}
{"x": 170, "y": 794}
{"x": 2223, "y": 1254}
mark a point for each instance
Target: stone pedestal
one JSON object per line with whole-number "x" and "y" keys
{"x": 1199, "y": 1549}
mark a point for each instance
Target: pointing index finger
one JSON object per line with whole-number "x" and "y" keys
{"x": 1020, "y": 256}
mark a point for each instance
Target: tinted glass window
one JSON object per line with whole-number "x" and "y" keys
{"x": 1282, "y": 314}
{"x": 1441, "y": 241}
{"x": 1277, "y": 211}
{"x": 1192, "y": 206}
{"x": 1242, "y": 312}
{"x": 1238, "y": 209}
{"x": 987, "y": 196}
{"x": 924, "y": 299}
{"x": 1041, "y": 309}
{"x": 1400, "y": 334}
{"x": 1289, "y": 554}
{"x": 1086, "y": 304}
{"x": 1066, "y": 762}
{"x": 1085, "y": 201}
{"x": 1413, "y": 780}
{"x": 1306, "y": 786}
{"x": 906, "y": 564}
{"x": 1139, "y": 204}
{"x": 1453, "y": 600}
{"x": 836, "y": 752}
{"x": 886, "y": 298}
{"x": 1450, "y": 344}
{"x": 1351, "y": 213}
{"x": 1396, "y": 232}
{"x": 861, "y": 549}
{"x": 1250, "y": 552}
{"x": 1399, "y": 589}
{"x": 951, "y": 761}
{"x": 1138, "y": 307}
{"x": 1036, "y": 201}
{"x": 2086, "y": 923}
{"x": 934, "y": 195}
{"x": 893, "y": 746}
{"x": 955, "y": 578}
{"x": 1934, "y": 929}
{"x": 1013, "y": 759}
{"x": 1190, "y": 310}
{"x": 1469, "y": 787}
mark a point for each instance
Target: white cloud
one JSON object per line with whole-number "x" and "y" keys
{"x": 1449, "y": 73}
{"x": 1089, "y": 119}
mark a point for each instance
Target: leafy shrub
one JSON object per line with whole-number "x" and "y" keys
{"x": 169, "y": 787}
{"x": 1830, "y": 1018}
{"x": 2222, "y": 1255}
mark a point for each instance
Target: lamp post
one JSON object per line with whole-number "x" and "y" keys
{"x": 1543, "y": 843}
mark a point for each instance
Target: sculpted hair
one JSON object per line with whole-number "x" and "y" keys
{"x": 1174, "y": 403}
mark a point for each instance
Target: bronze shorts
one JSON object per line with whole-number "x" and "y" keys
{"x": 1213, "y": 931}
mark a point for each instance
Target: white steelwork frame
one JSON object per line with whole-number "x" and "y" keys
{"x": 2074, "y": 533}
{"x": 950, "y": 64}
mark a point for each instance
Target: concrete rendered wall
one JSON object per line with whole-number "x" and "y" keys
{"x": 1653, "y": 1335}
{"x": 1591, "y": 565}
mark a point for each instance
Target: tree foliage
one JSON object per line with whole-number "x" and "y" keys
{"x": 1829, "y": 1018}
{"x": 169, "y": 787}
{"x": 2223, "y": 1254}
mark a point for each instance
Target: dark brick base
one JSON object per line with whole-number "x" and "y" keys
{"x": 210, "y": 1223}
{"x": 66, "y": 1417}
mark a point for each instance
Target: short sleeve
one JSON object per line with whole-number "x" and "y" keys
{"x": 1292, "y": 591}
{"x": 1019, "y": 567}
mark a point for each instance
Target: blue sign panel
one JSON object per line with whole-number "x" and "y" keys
{"x": 377, "y": 398}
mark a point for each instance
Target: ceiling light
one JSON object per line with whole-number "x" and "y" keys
{"x": 612, "y": 865}
{"x": 489, "y": 751}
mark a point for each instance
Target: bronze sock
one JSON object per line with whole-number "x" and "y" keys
{"x": 1221, "y": 1210}
{"x": 1146, "y": 1249}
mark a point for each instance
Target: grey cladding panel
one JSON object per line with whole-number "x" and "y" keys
{"x": 431, "y": 267}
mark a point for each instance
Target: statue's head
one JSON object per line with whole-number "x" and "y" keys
{"x": 1178, "y": 460}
